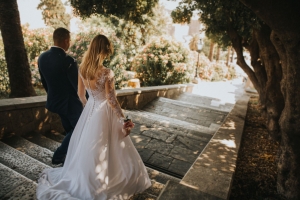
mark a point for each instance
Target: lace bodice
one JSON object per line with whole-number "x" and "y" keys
{"x": 103, "y": 88}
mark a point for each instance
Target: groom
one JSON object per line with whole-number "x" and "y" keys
{"x": 59, "y": 75}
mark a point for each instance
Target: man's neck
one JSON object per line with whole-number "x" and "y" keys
{"x": 58, "y": 47}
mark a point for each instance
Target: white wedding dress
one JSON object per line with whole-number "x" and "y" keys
{"x": 101, "y": 163}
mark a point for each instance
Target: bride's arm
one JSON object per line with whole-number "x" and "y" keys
{"x": 111, "y": 96}
{"x": 81, "y": 91}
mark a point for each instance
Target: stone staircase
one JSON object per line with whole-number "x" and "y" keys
{"x": 169, "y": 135}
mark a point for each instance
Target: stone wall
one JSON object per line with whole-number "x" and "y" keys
{"x": 23, "y": 115}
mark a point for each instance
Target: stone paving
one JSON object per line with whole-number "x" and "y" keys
{"x": 170, "y": 134}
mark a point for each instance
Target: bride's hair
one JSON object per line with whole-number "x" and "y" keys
{"x": 99, "y": 49}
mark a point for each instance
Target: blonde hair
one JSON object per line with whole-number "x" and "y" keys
{"x": 99, "y": 49}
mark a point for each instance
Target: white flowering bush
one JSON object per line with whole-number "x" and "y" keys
{"x": 162, "y": 62}
{"x": 212, "y": 71}
{"x": 36, "y": 41}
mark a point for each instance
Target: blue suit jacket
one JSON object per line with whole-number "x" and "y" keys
{"x": 59, "y": 75}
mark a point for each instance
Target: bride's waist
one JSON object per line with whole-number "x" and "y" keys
{"x": 97, "y": 100}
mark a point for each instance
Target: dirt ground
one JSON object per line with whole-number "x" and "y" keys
{"x": 256, "y": 172}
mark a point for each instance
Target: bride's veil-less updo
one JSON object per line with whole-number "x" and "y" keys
{"x": 99, "y": 49}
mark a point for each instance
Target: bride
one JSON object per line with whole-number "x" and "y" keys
{"x": 101, "y": 163}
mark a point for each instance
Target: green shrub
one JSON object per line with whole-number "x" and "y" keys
{"x": 162, "y": 62}
{"x": 4, "y": 80}
{"x": 117, "y": 61}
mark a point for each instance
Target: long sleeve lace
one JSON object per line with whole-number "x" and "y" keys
{"x": 111, "y": 96}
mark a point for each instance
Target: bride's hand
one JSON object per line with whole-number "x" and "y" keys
{"x": 127, "y": 126}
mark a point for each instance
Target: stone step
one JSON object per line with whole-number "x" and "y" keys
{"x": 185, "y": 112}
{"x": 177, "y": 191}
{"x": 150, "y": 119}
{"x": 35, "y": 151}
{"x": 42, "y": 141}
{"x": 208, "y": 102}
{"x": 143, "y": 196}
{"x": 27, "y": 147}
{"x": 153, "y": 174}
{"x": 20, "y": 162}
{"x": 15, "y": 186}
{"x": 58, "y": 137}
{"x": 158, "y": 179}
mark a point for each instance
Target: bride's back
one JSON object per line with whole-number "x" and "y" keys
{"x": 96, "y": 86}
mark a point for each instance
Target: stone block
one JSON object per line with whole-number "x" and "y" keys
{"x": 139, "y": 141}
{"x": 159, "y": 146}
{"x": 157, "y": 134}
{"x": 190, "y": 144}
{"x": 145, "y": 154}
{"x": 160, "y": 160}
{"x": 5, "y": 117}
{"x": 5, "y": 129}
{"x": 208, "y": 180}
{"x": 199, "y": 136}
{"x": 179, "y": 166}
{"x": 155, "y": 188}
{"x": 9, "y": 180}
{"x": 39, "y": 113}
{"x": 27, "y": 128}
{"x": 184, "y": 154}
{"x": 24, "y": 165}
{"x": 57, "y": 126}
{"x": 218, "y": 156}
{"x": 21, "y": 117}
{"x": 25, "y": 191}
{"x": 178, "y": 191}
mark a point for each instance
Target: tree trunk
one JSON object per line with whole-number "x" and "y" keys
{"x": 274, "y": 97}
{"x": 218, "y": 53}
{"x": 14, "y": 48}
{"x": 288, "y": 180}
{"x": 232, "y": 54}
{"x": 282, "y": 17}
{"x": 211, "y": 50}
{"x": 238, "y": 47}
{"x": 228, "y": 55}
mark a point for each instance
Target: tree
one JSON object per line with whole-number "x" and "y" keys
{"x": 211, "y": 50}
{"x": 283, "y": 19}
{"x": 54, "y": 13}
{"x": 273, "y": 41}
{"x": 128, "y": 10}
{"x": 14, "y": 48}
{"x": 132, "y": 36}
{"x": 231, "y": 23}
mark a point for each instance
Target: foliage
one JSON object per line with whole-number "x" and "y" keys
{"x": 132, "y": 36}
{"x": 4, "y": 79}
{"x": 36, "y": 41}
{"x": 216, "y": 15}
{"x": 212, "y": 71}
{"x": 163, "y": 61}
{"x": 117, "y": 61}
{"x": 54, "y": 14}
{"x": 133, "y": 10}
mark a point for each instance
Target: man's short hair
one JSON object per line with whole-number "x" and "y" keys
{"x": 60, "y": 34}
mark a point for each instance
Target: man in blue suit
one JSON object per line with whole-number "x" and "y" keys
{"x": 59, "y": 75}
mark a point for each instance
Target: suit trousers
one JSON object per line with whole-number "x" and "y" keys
{"x": 69, "y": 122}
